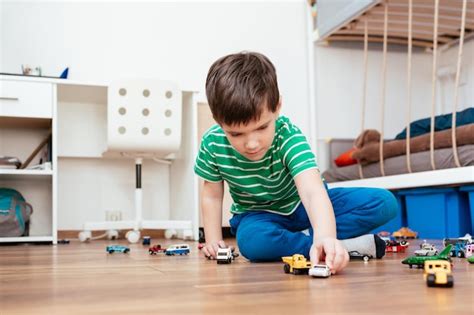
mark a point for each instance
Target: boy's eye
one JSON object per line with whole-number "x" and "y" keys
{"x": 235, "y": 134}
{"x": 263, "y": 127}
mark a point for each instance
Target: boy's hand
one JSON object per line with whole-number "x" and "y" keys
{"x": 331, "y": 251}
{"x": 210, "y": 249}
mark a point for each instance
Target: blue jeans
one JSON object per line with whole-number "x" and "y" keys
{"x": 265, "y": 236}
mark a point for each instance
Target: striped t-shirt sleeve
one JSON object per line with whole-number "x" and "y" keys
{"x": 205, "y": 165}
{"x": 296, "y": 152}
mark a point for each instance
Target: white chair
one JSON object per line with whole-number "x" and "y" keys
{"x": 143, "y": 121}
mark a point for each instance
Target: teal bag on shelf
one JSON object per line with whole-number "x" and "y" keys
{"x": 15, "y": 213}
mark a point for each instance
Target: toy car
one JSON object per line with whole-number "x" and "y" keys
{"x": 464, "y": 240}
{"x": 395, "y": 246}
{"x": 155, "y": 249}
{"x": 117, "y": 248}
{"x": 405, "y": 232}
{"x": 146, "y": 240}
{"x": 224, "y": 255}
{"x": 426, "y": 249}
{"x": 178, "y": 249}
{"x": 296, "y": 264}
{"x": 384, "y": 235}
{"x": 469, "y": 250}
{"x": 319, "y": 271}
{"x": 394, "y": 242}
{"x": 438, "y": 273}
{"x": 459, "y": 249}
{"x": 354, "y": 255}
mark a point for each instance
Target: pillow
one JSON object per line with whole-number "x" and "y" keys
{"x": 346, "y": 159}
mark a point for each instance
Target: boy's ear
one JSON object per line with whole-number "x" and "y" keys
{"x": 278, "y": 106}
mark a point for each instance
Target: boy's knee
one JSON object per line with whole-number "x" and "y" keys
{"x": 388, "y": 205}
{"x": 257, "y": 243}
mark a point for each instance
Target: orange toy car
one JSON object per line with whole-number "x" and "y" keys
{"x": 405, "y": 232}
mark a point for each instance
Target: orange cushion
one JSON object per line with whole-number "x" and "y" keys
{"x": 346, "y": 158}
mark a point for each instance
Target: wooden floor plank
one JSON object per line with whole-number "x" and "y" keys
{"x": 83, "y": 279}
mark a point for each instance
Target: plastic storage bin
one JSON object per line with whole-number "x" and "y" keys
{"x": 397, "y": 222}
{"x": 437, "y": 212}
{"x": 468, "y": 192}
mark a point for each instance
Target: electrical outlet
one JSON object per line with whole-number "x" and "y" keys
{"x": 113, "y": 215}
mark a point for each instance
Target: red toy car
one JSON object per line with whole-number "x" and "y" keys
{"x": 155, "y": 249}
{"x": 394, "y": 246}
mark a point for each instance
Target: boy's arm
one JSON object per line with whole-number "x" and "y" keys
{"x": 212, "y": 195}
{"x": 321, "y": 215}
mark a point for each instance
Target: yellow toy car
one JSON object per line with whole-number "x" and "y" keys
{"x": 405, "y": 232}
{"x": 296, "y": 264}
{"x": 438, "y": 273}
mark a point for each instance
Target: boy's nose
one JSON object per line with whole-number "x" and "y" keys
{"x": 251, "y": 145}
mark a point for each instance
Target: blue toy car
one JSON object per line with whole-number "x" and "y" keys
{"x": 179, "y": 249}
{"x": 459, "y": 250}
{"x": 117, "y": 248}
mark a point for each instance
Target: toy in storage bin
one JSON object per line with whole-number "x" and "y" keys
{"x": 468, "y": 193}
{"x": 399, "y": 221}
{"x": 436, "y": 212}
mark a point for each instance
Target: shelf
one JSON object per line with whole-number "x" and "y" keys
{"x": 347, "y": 22}
{"x": 15, "y": 174}
{"x": 22, "y": 122}
{"x": 26, "y": 239}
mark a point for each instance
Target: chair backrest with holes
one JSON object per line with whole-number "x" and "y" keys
{"x": 144, "y": 116}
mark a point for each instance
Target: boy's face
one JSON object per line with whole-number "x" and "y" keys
{"x": 255, "y": 138}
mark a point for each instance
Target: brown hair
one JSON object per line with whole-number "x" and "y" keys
{"x": 238, "y": 86}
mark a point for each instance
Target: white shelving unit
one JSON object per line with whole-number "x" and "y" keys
{"x": 84, "y": 182}
{"x": 27, "y": 114}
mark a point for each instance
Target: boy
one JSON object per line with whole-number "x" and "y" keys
{"x": 273, "y": 177}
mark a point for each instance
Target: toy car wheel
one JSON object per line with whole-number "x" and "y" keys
{"x": 403, "y": 243}
{"x": 286, "y": 268}
{"x": 450, "y": 282}
{"x": 126, "y": 251}
{"x": 460, "y": 254}
{"x": 430, "y": 280}
{"x": 451, "y": 254}
{"x": 111, "y": 251}
{"x": 365, "y": 258}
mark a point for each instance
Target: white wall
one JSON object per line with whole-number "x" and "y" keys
{"x": 339, "y": 75}
{"x": 172, "y": 40}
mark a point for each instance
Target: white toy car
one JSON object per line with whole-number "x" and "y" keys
{"x": 426, "y": 249}
{"x": 224, "y": 255}
{"x": 319, "y": 271}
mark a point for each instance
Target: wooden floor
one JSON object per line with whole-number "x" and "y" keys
{"x": 84, "y": 279}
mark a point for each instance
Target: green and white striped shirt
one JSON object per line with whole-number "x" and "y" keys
{"x": 264, "y": 185}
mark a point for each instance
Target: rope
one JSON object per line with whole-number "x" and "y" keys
{"x": 410, "y": 35}
{"x": 364, "y": 91}
{"x": 433, "y": 83}
{"x": 456, "y": 85}
{"x": 384, "y": 74}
